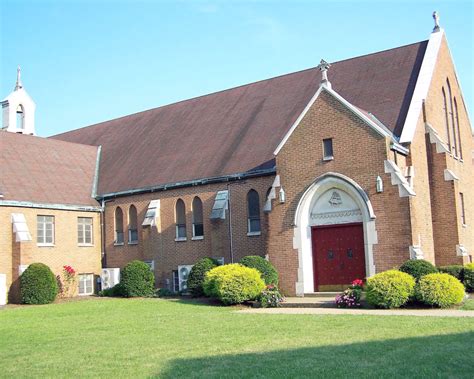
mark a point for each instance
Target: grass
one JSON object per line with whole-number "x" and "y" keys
{"x": 468, "y": 305}
{"x": 173, "y": 339}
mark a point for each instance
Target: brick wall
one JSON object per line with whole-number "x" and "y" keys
{"x": 445, "y": 199}
{"x": 359, "y": 153}
{"x": 84, "y": 259}
{"x": 158, "y": 243}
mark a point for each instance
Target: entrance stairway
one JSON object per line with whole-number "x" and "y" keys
{"x": 311, "y": 300}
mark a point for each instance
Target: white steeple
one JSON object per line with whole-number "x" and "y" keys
{"x": 19, "y": 110}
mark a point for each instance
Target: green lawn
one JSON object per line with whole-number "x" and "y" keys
{"x": 167, "y": 339}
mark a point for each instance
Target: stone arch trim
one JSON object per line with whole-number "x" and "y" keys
{"x": 302, "y": 228}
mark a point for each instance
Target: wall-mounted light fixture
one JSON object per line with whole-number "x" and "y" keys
{"x": 379, "y": 184}
{"x": 282, "y": 195}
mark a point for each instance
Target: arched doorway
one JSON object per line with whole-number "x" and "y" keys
{"x": 334, "y": 234}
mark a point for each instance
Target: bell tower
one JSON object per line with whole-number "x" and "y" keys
{"x": 19, "y": 110}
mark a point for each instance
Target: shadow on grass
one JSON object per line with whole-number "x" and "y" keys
{"x": 448, "y": 355}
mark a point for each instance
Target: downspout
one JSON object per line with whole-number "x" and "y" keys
{"x": 230, "y": 226}
{"x": 102, "y": 233}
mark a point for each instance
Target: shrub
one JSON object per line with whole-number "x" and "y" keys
{"x": 454, "y": 270}
{"x": 469, "y": 277}
{"x": 269, "y": 274}
{"x": 38, "y": 285}
{"x": 115, "y": 291}
{"x": 233, "y": 283}
{"x": 197, "y": 274}
{"x": 390, "y": 289}
{"x": 137, "y": 280}
{"x": 442, "y": 290}
{"x": 164, "y": 292}
{"x": 270, "y": 297}
{"x": 418, "y": 268}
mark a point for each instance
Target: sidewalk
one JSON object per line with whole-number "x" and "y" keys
{"x": 366, "y": 312}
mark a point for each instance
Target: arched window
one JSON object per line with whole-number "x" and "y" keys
{"x": 198, "y": 226}
{"x": 456, "y": 115}
{"x": 446, "y": 119}
{"x": 132, "y": 225}
{"x": 451, "y": 116}
{"x": 118, "y": 226}
{"x": 180, "y": 220}
{"x": 20, "y": 117}
{"x": 253, "y": 208}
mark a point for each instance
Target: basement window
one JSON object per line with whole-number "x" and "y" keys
{"x": 327, "y": 149}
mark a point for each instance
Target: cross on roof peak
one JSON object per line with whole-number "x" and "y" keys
{"x": 323, "y": 66}
{"x": 436, "y": 21}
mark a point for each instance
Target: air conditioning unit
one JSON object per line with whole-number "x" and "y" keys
{"x": 109, "y": 277}
{"x": 183, "y": 273}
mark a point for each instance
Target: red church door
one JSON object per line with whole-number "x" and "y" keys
{"x": 338, "y": 256}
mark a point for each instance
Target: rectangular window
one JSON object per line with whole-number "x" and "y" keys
{"x": 175, "y": 281}
{"x": 181, "y": 231}
{"x": 253, "y": 225}
{"x": 327, "y": 149}
{"x": 132, "y": 236}
{"x": 45, "y": 230}
{"x": 86, "y": 284}
{"x": 84, "y": 230}
{"x": 198, "y": 230}
{"x": 463, "y": 214}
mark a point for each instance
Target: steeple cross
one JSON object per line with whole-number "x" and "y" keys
{"x": 323, "y": 67}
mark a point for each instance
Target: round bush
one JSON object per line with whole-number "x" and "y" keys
{"x": 390, "y": 289}
{"x": 418, "y": 268}
{"x": 469, "y": 277}
{"x": 442, "y": 290}
{"x": 233, "y": 283}
{"x": 197, "y": 274}
{"x": 38, "y": 285}
{"x": 137, "y": 280}
{"x": 455, "y": 270}
{"x": 269, "y": 274}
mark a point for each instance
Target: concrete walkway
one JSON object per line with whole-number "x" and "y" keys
{"x": 367, "y": 312}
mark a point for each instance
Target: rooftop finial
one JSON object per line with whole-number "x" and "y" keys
{"x": 436, "y": 21}
{"x": 323, "y": 67}
{"x": 18, "y": 85}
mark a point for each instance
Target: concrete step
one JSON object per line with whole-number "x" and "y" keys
{"x": 308, "y": 302}
{"x": 331, "y": 295}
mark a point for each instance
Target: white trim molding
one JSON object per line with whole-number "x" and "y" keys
{"x": 397, "y": 177}
{"x": 461, "y": 251}
{"x": 373, "y": 123}
{"x": 304, "y": 221}
{"x": 441, "y": 146}
{"x": 449, "y": 175}
{"x": 422, "y": 86}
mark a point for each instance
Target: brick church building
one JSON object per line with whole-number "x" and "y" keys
{"x": 333, "y": 173}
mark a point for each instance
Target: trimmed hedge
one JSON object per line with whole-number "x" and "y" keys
{"x": 137, "y": 280}
{"x": 269, "y": 273}
{"x": 233, "y": 283}
{"x": 390, "y": 289}
{"x": 469, "y": 277}
{"x": 197, "y": 275}
{"x": 38, "y": 285}
{"x": 454, "y": 270}
{"x": 442, "y": 290}
{"x": 418, "y": 268}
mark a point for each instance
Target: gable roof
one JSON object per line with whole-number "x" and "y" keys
{"x": 46, "y": 171}
{"x": 237, "y": 130}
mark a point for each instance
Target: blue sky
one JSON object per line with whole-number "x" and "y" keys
{"x": 89, "y": 61}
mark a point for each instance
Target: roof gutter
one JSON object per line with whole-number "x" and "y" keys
{"x": 190, "y": 183}
{"x": 64, "y": 207}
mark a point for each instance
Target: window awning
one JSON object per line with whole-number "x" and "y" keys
{"x": 22, "y": 234}
{"x": 151, "y": 213}
{"x": 221, "y": 204}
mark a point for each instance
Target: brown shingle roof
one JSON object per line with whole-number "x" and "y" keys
{"x": 46, "y": 171}
{"x": 237, "y": 130}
